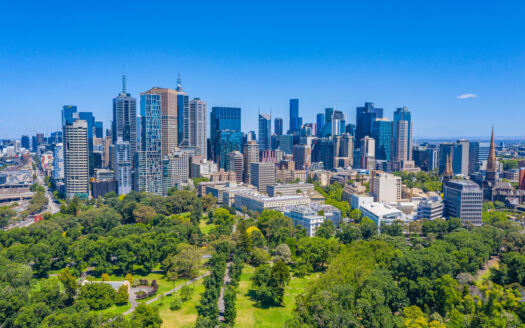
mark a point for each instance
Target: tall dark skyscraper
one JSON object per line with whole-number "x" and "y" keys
{"x": 382, "y": 133}
{"x": 183, "y": 108}
{"x": 402, "y": 135}
{"x": 320, "y": 120}
{"x": 68, "y": 114}
{"x": 265, "y": 131}
{"x": 25, "y": 142}
{"x": 99, "y": 129}
{"x": 278, "y": 126}
{"x": 295, "y": 120}
{"x": 223, "y": 118}
{"x": 90, "y": 119}
{"x": 365, "y": 116}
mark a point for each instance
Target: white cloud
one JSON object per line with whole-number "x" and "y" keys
{"x": 467, "y": 96}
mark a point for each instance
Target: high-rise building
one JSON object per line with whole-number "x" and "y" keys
{"x": 99, "y": 129}
{"x": 90, "y": 119}
{"x": 123, "y": 165}
{"x": 365, "y": 116}
{"x": 227, "y": 141}
{"x": 278, "y": 126}
{"x": 149, "y": 159}
{"x": 295, "y": 120}
{"x": 402, "y": 135}
{"x": 195, "y": 127}
{"x": 168, "y": 113}
{"x": 285, "y": 143}
{"x": 302, "y": 154}
{"x": 463, "y": 199}
{"x": 478, "y": 155}
{"x": 76, "y": 159}
{"x": 262, "y": 175}
{"x": 69, "y": 114}
{"x": 458, "y": 153}
{"x": 183, "y": 108}
{"x": 320, "y": 119}
{"x": 175, "y": 170}
{"x": 236, "y": 164}
{"x": 223, "y": 118}
{"x": 386, "y": 187}
{"x": 265, "y": 131}
{"x": 426, "y": 157}
{"x": 383, "y": 134}
{"x": 521, "y": 179}
{"x": 25, "y": 142}
{"x": 367, "y": 153}
{"x": 337, "y": 123}
{"x": 250, "y": 152}
{"x": 58, "y": 162}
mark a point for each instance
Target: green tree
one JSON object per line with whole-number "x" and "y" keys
{"x": 98, "y": 296}
{"x": 326, "y": 229}
{"x": 122, "y": 295}
{"x": 69, "y": 281}
{"x": 146, "y": 316}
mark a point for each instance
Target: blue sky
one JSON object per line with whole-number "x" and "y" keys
{"x": 258, "y": 54}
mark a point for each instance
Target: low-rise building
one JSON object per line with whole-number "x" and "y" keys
{"x": 357, "y": 200}
{"x": 254, "y": 201}
{"x": 312, "y": 216}
{"x": 289, "y": 189}
{"x": 381, "y": 213}
{"x": 225, "y": 194}
{"x": 430, "y": 209}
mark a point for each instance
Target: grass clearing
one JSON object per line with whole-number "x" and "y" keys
{"x": 249, "y": 315}
{"x": 186, "y": 316}
{"x": 205, "y": 227}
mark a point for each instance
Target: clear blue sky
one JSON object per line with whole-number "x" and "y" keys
{"x": 258, "y": 54}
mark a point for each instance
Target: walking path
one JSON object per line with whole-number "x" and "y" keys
{"x": 227, "y": 279}
{"x": 486, "y": 267}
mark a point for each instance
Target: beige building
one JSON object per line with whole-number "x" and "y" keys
{"x": 76, "y": 159}
{"x": 168, "y": 118}
{"x": 253, "y": 201}
{"x": 387, "y": 187}
{"x": 250, "y": 152}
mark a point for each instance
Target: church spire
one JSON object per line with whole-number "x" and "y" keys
{"x": 449, "y": 173}
{"x": 491, "y": 162}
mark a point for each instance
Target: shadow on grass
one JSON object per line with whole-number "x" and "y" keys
{"x": 265, "y": 304}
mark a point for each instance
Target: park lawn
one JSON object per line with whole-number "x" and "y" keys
{"x": 205, "y": 227}
{"x": 485, "y": 276}
{"x": 249, "y": 315}
{"x": 38, "y": 283}
{"x": 186, "y": 316}
{"x": 115, "y": 309}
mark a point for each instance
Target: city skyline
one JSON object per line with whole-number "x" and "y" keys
{"x": 466, "y": 68}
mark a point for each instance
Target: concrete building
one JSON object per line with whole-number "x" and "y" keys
{"x": 76, "y": 159}
{"x": 302, "y": 155}
{"x": 256, "y": 202}
{"x": 195, "y": 127}
{"x": 311, "y": 216}
{"x": 367, "y": 153}
{"x": 225, "y": 193}
{"x": 262, "y": 175}
{"x": 289, "y": 189}
{"x": 123, "y": 166}
{"x": 250, "y": 152}
{"x": 402, "y": 132}
{"x": 358, "y": 200}
{"x": 175, "y": 170}
{"x": 203, "y": 168}
{"x": 430, "y": 209}
{"x": 380, "y": 213}
{"x": 463, "y": 199}
{"x": 236, "y": 164}
{"x": 386, "y": 187}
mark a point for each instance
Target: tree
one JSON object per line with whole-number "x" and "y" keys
{"x": 196, "y": 213}
{"x": 326, "y": 229}
{"x": 98, "y": 296}
{"x": 208, "y": 202}
{"x": 394, "y": 229}
{"x": 129, "y": 277}
{"x": 122, "y": 295}
{"x": 186, "y": 262}
{"x": 279, "y": 279}
{"x": 146, "y": 316}
{"x": 104, "y": 277}
{"x": 315, "y": 252}
{"x": 259, "y": 256}
{"x": 283, "y": 253}
{"x": 143, "y": 213}
{"x": 69, "y": 281}
{"x": 348, "y": 232}
{"x": 368, "y": 228}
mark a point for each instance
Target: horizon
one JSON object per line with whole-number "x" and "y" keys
{"x": 458, "y": 68}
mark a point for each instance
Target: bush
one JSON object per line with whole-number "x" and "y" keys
{"x": 176, "y": 304}
{"x": 98, "y": 296}
{"x": 122, "y": 295}
{"x": 186, "y": 293}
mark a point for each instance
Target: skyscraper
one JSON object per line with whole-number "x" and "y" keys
{"x": 183, "y": 107}
{"x": 265, "y": 131}
{"x": 236, "y": 164}
{"x": 99, "y": 129}
{"x": 382, "y": 133}
{"x": 295, "y": 120}
{"x": 402, "y": 135}
{"x": 226, "y": 142}
{"x": 76, "y": 159}
{"x": 150, "y": 163}
{"x": 302, "y": 156}
{"x": 278, "y": 126}
{"x": 175, "y": 169}
{"x": 367, "y": 154}
{"x": 365, "y": 116}
{"x": 463, "y": 199}
{"x": 223, "y": 118}
{"x": 250, "y": 152}
{"x": 168, "y": 113}
{"x": 195, "y": 127}
{"x": 124, "y": 139}
{"x": 69, "y": 114}
{"x": 24, "y": 141}
{"x": 90, "y": 119}
{"x": 320, "y": 119}
{"x": 262, "y": 175}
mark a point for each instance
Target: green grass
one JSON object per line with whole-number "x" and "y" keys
{"x": 186, "y": 316}
{"x": 205, "y": 228}
{"x": 116, "y": 309}
{"x": 249, "y": 315}
{"x": 485, "y": 276}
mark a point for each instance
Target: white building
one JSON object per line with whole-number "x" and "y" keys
{"x": 58, "y": 162}
{"x": 386, "y": 187}
{"x": 356, "y": 201}
{"x": 430, "y": 209}
{"x": 195, "y": 126}
{"x": 175, "y": 170}
{"x": 381, "y": 213}
{"x": 76, "y": 159}
{"x": 122, "y": 164}
{"x": 254, "y": 201}
{"x": 312, "y": 216}
{"x": 289, "y": 189}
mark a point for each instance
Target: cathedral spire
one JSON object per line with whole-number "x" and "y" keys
{"x": 491, "y": 162}
{"x": 448, "y": 174}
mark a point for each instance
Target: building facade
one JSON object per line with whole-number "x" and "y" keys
{"x": 76, "y": 159}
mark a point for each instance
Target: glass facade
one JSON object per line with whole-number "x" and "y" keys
{"x": 382, "y": 133}
{"x": 226, "y": 142}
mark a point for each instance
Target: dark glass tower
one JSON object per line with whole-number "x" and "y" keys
{"x": 295, "y": 120}
{"x": 382, "y": 133}
{"x": 365, "y": 116}
{"x": 223, "y": 118}
{"x": 265, "y": 131}
{"x": 278, "y": 126}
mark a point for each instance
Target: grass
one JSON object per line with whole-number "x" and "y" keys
{"x": 186, "y": 316}
{"x": 205, "y": 227}
{"x": 116, "y": 309}
{"x": 485, "y": 276}
{"x": 249, "y": 315}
